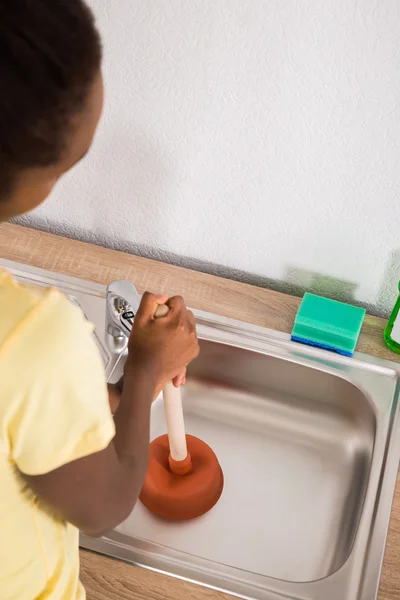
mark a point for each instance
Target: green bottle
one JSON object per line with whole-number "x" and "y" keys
{"x": 392, "y": 330}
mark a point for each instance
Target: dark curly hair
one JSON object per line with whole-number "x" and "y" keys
{"x": 50, "y": 54}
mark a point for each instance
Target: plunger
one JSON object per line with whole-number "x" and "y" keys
{"x": 184, "y": 479}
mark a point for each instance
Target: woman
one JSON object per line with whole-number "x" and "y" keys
{"x": 65, "y": 462}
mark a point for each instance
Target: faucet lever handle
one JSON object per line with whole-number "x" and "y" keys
{"x": 123, "y": 302}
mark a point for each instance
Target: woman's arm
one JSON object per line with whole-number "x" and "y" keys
{"x": 99, "y": 491}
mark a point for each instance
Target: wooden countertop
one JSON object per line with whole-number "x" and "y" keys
{"x": 106, "y": 579}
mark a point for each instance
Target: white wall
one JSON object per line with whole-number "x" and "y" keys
{"x": 263, "y": 136}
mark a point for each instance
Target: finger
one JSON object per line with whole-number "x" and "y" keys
{"x": 148, "y": 306}
{"x": 178, "y": 380}
{"x": 176, "y": 305}
{"x": 191, "y": 321}
{"x": 161, "y": 299}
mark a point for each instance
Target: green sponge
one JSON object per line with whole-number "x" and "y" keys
{"x": 328, "y": 324}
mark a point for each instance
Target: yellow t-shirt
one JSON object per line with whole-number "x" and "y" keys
{"x": 53, "y": 410}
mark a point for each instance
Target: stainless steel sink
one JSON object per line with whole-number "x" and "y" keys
{"x": 309, "y": 444}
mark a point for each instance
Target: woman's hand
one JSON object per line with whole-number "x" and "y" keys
{"x": 162, "y": 347}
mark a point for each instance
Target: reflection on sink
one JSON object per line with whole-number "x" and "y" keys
{"x": 309, "y": 444}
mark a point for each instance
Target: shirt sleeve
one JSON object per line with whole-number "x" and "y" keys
{"x": 60, "y": 412}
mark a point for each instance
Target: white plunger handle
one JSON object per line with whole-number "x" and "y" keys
{"x": 175, "y": 422}
{"x": 173, "y": 411}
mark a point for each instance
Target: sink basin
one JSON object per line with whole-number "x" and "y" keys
{"x": 309, "y": 444}
{"x": 295, "y": 445}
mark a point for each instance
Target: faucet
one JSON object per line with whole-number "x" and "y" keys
{"x": 122, "y": 303}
